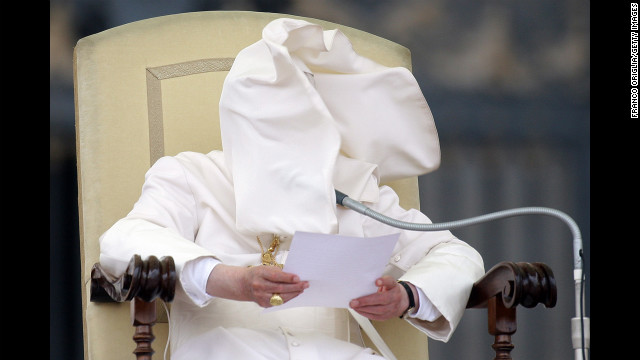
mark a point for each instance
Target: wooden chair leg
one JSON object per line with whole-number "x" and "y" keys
{"x": 502, "y": 324}
{"x": 143, "y": 317}
{"x": 143, "y": 282}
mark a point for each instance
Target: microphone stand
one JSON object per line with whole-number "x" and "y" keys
{"x": 580, "y": 333}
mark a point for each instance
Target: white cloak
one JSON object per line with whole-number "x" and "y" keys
{"x": 187, "y": 210}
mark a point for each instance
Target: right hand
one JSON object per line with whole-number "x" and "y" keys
{"x": 256, "y": 283}
{"x": 261, "y": 282}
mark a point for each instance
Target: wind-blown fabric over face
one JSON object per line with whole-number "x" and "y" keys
{"x": 302, "y": 114}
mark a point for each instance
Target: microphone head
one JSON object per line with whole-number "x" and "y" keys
{"x": 340, "y": 197}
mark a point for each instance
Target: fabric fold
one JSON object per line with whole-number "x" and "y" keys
{"x": 296, "y": 101}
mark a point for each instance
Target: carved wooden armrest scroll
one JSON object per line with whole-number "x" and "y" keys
{"x": 502, "y": 289}
{"x": 142, "y": 283}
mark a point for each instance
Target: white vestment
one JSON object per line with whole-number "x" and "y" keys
{"x": 301, "y": 114}
{"x": 186, "y": 210}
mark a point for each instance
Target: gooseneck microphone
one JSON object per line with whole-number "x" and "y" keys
{"x": 579, "y": 324}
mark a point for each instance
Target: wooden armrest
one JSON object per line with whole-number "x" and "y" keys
{"x": 526, "y": 284}
{"x": 142, "y": 283}
{"x": 147, "y": 280}
{"x": 503, "y": 288}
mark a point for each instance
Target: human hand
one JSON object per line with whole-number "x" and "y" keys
{"x": 256, "y": 283}
{"x": 390, "y": 301}
{"x": 261, "y": 282}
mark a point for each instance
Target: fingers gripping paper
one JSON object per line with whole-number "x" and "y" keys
{"x": 339, "y": 268}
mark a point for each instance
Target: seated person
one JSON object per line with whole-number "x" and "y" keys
{"x": 301, "y": 114}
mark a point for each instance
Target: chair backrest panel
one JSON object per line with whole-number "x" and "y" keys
{"x": 151, "y": 88}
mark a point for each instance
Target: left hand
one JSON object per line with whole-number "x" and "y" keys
{"x": 391, "y": 300}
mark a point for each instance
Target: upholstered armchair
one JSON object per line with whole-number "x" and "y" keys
{"x": 146, "y": 89}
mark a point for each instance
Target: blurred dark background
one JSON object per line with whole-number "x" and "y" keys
{"x": 508, "y": 83}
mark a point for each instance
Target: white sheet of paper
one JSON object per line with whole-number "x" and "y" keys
{"x": 339, "y": 268}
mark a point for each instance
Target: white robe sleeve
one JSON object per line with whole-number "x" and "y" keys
{"x": 446, "y": 275}
{"x": 163, "y": 222}
{"x": 426, "y": 310}
{"x": 194, "y": 277}
{"x": 441, "y": 265}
